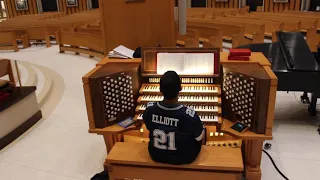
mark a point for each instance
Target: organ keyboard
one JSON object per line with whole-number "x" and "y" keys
{"x": 204, "y": 118}
{"x": 182, "y": 99}
{"x": 186, "y": 88}
{"x": 198, "y": 108}
{"x": 205, "y": 80}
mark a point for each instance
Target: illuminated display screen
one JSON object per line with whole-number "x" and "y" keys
{"x": 186, "y": 63}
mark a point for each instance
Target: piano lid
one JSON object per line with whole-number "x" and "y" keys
{"x": 297, "y": 54}
{"x": 290, "y": 53}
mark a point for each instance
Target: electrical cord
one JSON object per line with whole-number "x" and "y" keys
{"x": 268, "y": 146}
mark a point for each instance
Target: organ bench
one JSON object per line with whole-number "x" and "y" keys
{"x": 218, "y": 132}
{"x": 132, "y": 161}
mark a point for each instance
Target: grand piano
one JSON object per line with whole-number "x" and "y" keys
{"x": 296, "y": 67}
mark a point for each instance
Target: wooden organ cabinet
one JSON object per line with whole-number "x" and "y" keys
{"x": 232, "y": 91}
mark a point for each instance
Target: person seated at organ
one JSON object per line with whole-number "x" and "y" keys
{"x": 176, "y": 131}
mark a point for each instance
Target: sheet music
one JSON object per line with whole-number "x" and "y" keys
{"x": 124, "y": 51}
{"x": 186, "y": 63}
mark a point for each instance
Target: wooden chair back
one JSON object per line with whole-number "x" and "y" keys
{"x": 191, "y": 39}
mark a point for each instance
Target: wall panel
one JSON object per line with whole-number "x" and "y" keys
{"x": 297, "y": 5}
{"x": 32, "y": 7}
{"x": 229, "y": 4}
{"x": 82, "y": 6}
{"x": 13, "y": 12}
{"x": 269, "y": 5}
{"x": 281, "y": 6}
{"x": 276, "y": 7}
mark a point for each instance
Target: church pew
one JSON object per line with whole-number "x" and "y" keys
{"x": 190, "y": 39}
{"x": 85, "y": 29}
{"x": 253, "y": 31}
{"x": 229, "y": 32}
{"x": 214, "y": 10}
{"x": 38, "y": 34}
{"x": 19, "y": 35}
{"x": 208, "y": 35}
{"x": 207, "y": 15}
{"x": 8, "y": 41}
{"x": 47, "y": 23}
{"x": 305, "y": 21}
{"x": 85, "y": 43}
{"x": 289, "y": 23}
{"x": 270, "y": 26}
{"x": 301, "y": 12}
{"x": 313, "y": 39}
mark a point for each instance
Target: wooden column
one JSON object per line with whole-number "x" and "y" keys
{"x": 252, "y": 159}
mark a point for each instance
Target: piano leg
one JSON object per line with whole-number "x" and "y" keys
{"x": 312, "y": 107}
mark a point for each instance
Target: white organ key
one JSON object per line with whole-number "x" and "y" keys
{"x": 185, "y": 89}
{"x": 209, "y": 118}
{"x": 182, "y": 98}
{"x": 201, "y": 108}
{"x": 140, "y": 117}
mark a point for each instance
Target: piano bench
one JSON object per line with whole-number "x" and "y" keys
{"x": 132, "y": 161}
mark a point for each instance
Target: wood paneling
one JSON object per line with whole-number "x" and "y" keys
{"x": 271, "y": 6}
{"x": 229, "y": 4}
{"x": 82, "y": 6}
{"x": 281, "y": 5}
{"x": 32, "y": 8}
{"x": 13, "y": 12}
{"x": 286, "y": 6}
{"x": 276, "y": 7}
{"x": 235, "y": 3}
{"x": 297, "y": 5}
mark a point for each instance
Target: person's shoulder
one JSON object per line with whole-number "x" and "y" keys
{"x": 190, "y": 113}
{"x": 150, "y": 106}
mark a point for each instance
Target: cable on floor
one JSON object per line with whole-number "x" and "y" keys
{"x": 274, "y": 164}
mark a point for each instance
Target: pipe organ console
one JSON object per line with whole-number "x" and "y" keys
{"x": 224, "y": 93}
{"x": 122, "y": 90}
